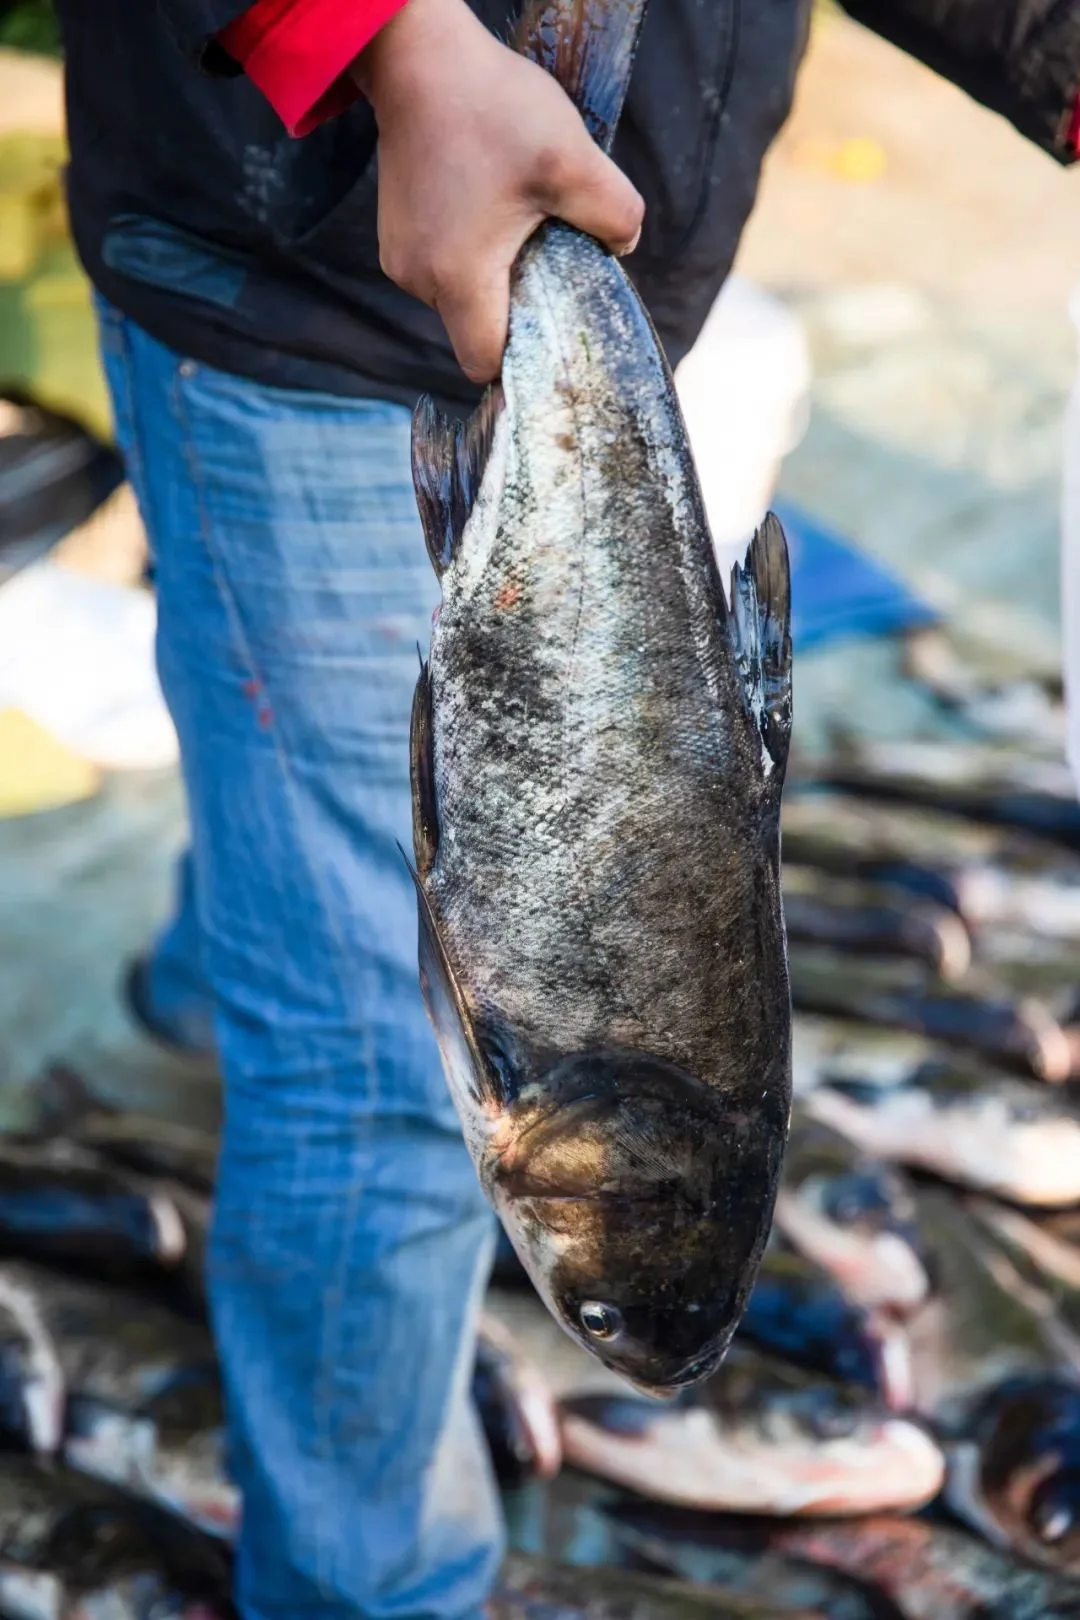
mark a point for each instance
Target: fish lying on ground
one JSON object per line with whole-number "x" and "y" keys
{"x": 986, "y": 781}
{"x": 969, "y": 681}
{"x": 1018, "y": 1034}
{"x": 758, "y": 1437}
{"x": 854, "y": 915}
{"x": 598, "y": 749}
{"x": 61, "y": 1335}
{"x": 143, "y": 1143}
{"x": 60, "y": 1202}
{"x": 850, "y": 1214}
{"x": 1047, "y": 1264}
{"x": 797, "y": 1312}
{"x": 990, "y": 876}
{"x": 969, "y": 1124}
{"x": 990, "y": 1371}
{"x": 921, "y": 1570}
{"x": 532, "y": 1589}
{"x": 74, "y": 1547}
{"x": 516, "y": 1408}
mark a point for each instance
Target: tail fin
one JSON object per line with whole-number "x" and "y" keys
{"x": 589, "y": 47}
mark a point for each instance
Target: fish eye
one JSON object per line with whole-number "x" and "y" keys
{"x": 599, "y": 1321}
{"x": 1053, "y": 1512}
{"x": 832, "y": 1421}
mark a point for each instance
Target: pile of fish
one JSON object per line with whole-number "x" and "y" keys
{"x": 896, "y": 1428}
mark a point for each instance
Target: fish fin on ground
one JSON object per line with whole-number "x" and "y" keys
{"x": 589, "y": 47}
{"x": 448, "y": 464}
{"x": 760, "y": 629}
{"x": 422, "y": 773}
{"x": 469, "y": 1076}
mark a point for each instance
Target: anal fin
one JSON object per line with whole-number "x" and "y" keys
{"x": 448, "y": 464}
{"x": 760, "y": 630}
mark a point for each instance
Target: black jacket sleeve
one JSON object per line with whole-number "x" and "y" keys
{"x": 1020, "y": 58}
{"x": 193, "y": 24}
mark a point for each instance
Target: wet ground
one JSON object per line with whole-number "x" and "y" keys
{"x": 930, "y": 253}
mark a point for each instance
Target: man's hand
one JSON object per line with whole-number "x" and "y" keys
{"x": 476, "y": 147}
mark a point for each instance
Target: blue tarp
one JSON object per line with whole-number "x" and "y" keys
{"x": 838, "y": 591}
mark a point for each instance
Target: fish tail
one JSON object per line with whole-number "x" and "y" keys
{"x": 588, "y": 46}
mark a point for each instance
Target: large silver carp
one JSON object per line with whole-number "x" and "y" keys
{"x": 598, "y": 749}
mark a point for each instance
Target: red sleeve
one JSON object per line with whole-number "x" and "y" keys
{"x": 1074, "y": 127}
{"x": 296, "y": 52}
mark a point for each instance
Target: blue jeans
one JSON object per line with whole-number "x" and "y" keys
{"x": 350, "y": 1242}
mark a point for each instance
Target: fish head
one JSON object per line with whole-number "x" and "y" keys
{"x": 640, "y": 1208}
{"x": 858, "y": 1223}
{"x": 1028, "y": 1469}
{"x": 756, "y": 1439}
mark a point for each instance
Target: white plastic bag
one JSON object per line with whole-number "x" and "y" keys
{"x": 745, "y": 394}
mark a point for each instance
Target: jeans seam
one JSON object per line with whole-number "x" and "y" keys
{"x": 107, "y": 316}
{"x": 330, "y": 1335}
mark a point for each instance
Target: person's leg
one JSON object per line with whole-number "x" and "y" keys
{"x": 166, "y": 989}
{"x": 350, "y": 1240}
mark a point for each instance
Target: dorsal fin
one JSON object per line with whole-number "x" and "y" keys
{"x": 760, "y": 630}
{"x": 589, "y": 47}
{"x": 448, "y": 463}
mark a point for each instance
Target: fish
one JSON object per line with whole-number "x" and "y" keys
{"x": 855, "y": 915}
{"x": 598, "y": 748}
{"x": 61, "y": 1203}
{"x": 759, "y": 1436}
{"x": 709, "y": 1548}
{"x": 851, "y": 1214}
{"x": 1048, "y": 1265}
{"x": 970, "y": 1124}
{"x": 992, "y": 1374}
{"x": 516, "y": 1408}
{"x": 1017, "y": 1034}
{"x": 989, "y": 782}
{"x": 530, "y": 1588}
{"x": 990, "y": 876}
{"x": 71, "y": 1546}
{"x": 162, "y": 1149}
{"x": 170, "y": 1451}
{"x": 923, "y": 1569}
{"x": 969, "y": 682}
{"x": 62, "y": 1335}
{"x": 798, "y": 1313}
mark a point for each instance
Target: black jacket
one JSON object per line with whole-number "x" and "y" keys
{"x": 198, "y": 216}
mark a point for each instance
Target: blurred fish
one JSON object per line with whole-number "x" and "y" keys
{"x": 709, "y": 1548}
{"x": 73, "y": 1548}
{"x": 516, "y": 1408}
{"x": 1047, "y": 1263}
{"x": 990, "y": 876}
{"x": 171, "y": 1451}
{"x": 758, "y": 1437}
{"x": 967, "y": 1124}
{"x": 854, "y": 915}
{"x": 609, "y": 994}
{"x": 532, "y": 1589}
{"x": 929, "y": 1571}
{"x": 850, "y": 1214}
{"x": 143, "y": 1143}
{"x": 987, "y": 781}
{"x": 797, "y": 1312}
{"x": 990, "y": 1371}
{"x": 59, "y": 1202}
{"x": 1020, "y": 1035}
{"x": 1005, "y": 703}
{"x": 61, "y": 1335}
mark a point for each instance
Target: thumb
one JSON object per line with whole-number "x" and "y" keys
{"x": 591, "y": 193}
